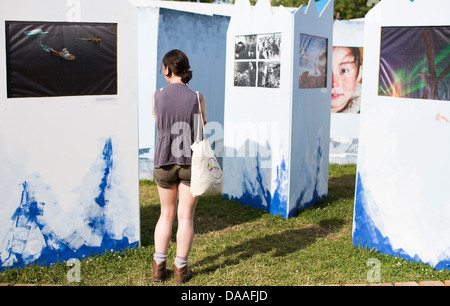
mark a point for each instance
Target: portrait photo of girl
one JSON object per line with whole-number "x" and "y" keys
{"x": 346, "y": 80}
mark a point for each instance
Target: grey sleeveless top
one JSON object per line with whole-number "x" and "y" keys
{"x": 175, "y": 107}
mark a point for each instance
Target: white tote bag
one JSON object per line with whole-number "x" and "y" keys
{"x": 206, "y": 174}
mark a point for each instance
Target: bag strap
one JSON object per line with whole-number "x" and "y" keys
{"x": 200, "y": 118}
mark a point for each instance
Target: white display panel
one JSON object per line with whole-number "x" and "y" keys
{"x": 69, "y": 163}
{"x": 401, "y": 203}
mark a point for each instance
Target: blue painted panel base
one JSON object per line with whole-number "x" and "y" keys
{"x": 254, "y": 183}
{"x": 32, "y": 240}
{"x": 367, "y": 235}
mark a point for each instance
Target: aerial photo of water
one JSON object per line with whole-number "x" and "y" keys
{"x": 47, "y": 59}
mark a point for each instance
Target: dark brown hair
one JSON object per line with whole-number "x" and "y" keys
{"x": 177, "y": 63}
{"x": 357, "y": 55}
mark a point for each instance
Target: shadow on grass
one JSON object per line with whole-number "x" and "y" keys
{"x": 213, "y": 213}
{"x": 339, "y": 188}
{"x": 278, "y": 245}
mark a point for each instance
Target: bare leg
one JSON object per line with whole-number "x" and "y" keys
{"x": 163, "y": 229}
{"x": 186, "y": 210}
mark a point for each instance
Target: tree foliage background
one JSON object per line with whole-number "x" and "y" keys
{"x": 343, "y": 9}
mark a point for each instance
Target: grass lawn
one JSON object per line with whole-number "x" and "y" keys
{"x": 239, "y": 245}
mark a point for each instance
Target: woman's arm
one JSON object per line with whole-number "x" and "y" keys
{"x": 153, "y": 106}
{"x": 203, "y": 104}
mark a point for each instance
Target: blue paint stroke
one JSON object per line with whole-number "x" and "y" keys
{"x": 257, "y": 195}
{"x": 25, "y": 220}
{"x": 303, "y": 201}
{"x": 22, "y": 246}
{"x": 105, "y": 184}
{"x": 28, "y": 222}
{"x": 367, "y": 235}
{"x": 279, "y": 200}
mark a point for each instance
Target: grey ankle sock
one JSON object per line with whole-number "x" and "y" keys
{"x": 181, "y": 262}
{"x": 159, "y": 257}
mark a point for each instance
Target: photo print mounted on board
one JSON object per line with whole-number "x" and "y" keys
{"x": 257, "y": 60}
{"x": 46, "y": 59}
{"x": 346, "y": 80}
{"x": 415, "y": 62}
{"x": 312, "y": 61}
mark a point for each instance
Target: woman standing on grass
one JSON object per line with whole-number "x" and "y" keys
{"x": 174, "y": 107}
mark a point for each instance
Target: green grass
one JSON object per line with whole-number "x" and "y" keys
{"x": 239, "y": 245}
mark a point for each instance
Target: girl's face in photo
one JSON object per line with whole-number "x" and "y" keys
{"x": 345, "y": 77}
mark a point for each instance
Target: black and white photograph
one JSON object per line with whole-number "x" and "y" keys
{"x": 269, "y": 46}
{"x": 257, "y": 60}
{"x": 245, "y": 47}
{"x": 269, "y": 74}
{"x": 245, "y": 74}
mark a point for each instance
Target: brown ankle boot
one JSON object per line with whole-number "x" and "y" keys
{"x": 159, "y": 271}
{"x": 181, "y": 275}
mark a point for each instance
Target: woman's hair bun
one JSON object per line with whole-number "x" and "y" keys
{"x": 186, "y": 77}
{"x": 177, "y": 63}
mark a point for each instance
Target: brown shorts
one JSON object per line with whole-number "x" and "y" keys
{"x": 167, "y": 176}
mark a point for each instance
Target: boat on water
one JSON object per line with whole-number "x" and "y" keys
{"x": 64, "y": 53}
{"x": 96, "y": 40}
{"x": 34, "y": 32}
